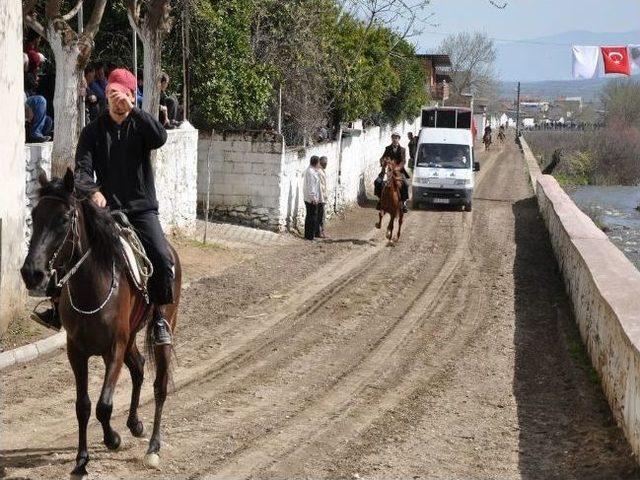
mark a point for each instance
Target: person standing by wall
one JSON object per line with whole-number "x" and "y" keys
{"x": 413, "y": 147}
{"x": 311, "y": 194}
{"x": 324, "y": 195}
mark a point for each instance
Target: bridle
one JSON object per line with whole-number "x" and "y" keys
{"x": 74, "y": 232}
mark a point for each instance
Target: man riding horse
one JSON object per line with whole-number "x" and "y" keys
{"x": 116, "y": 148}
{"x": 398, "y": 155}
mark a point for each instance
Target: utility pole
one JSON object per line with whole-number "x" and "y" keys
{"x": 518, "y": 114}
{"x": 280, "y": 109}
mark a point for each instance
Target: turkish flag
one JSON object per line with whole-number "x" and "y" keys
{"x": 616, "y": 60}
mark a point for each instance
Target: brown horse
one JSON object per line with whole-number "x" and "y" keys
{"x": 390, "y": 200}
{"x": 100, "y": 308}
{"x": 487, "y": 140}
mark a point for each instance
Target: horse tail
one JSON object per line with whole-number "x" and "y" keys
{"x": 149, "y": 344}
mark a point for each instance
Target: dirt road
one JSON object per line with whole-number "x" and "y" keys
{"x": 450, "y": 355}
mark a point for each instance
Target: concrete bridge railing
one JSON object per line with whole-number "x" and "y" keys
{"x": 604, "y": 287}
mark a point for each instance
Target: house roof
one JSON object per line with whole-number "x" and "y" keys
{"x": 437, "y": 59}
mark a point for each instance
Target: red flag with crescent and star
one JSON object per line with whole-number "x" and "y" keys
{"x": 616, "y": 60}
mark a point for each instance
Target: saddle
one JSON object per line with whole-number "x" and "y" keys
{"x": 139, "y": 266}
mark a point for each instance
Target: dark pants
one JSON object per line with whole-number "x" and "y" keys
{"x": 320, "y": 221}
{"x": 310, "y": 220}
{"x": 404, "y": 191}
{"x": 41, "y": 125}
{"x": 147, "y": 226}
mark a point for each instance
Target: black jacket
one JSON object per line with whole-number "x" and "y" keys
{"x": 120, "y": 158}
{"x": 399, "y": 157}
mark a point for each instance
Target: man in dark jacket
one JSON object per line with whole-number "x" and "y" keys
{"x": 398, "y": 154}
{"x": 117, "y": 147}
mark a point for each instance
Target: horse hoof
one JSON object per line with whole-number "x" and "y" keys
{"x": 114, "y": 442}
{"x": 137, "y": 430}
{"x": 377, "y": 225}
{"x": 151, "y": 460}
{"x": 78, "y": 476}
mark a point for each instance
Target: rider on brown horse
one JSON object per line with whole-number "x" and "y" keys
{"x": 116, "y": 147}
{"x": 398, "y": 155}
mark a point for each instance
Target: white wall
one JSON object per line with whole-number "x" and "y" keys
{"x": 175, "y": 169}
{"x": 359, "y": 167}
{"x": 176, "y": 173}
{"x": 37, "y": 156}
{"x": 603, "y": 286}
{"x": 12, "y": 163}
{"x": 255, "y": 172}
{"x": 244, "y": 176}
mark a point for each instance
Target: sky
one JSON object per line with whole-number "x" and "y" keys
{"x": 525, "y": 19}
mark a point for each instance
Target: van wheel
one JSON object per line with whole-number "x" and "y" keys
{"x": 468, "y": 207}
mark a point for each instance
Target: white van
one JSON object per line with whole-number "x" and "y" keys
{"x": 443, "y": 173}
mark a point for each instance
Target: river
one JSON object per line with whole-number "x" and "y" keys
{"x": 614, "y": 210}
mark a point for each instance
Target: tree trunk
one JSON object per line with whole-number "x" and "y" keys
{"x": 65, "y": 103}
{"x": 152, "y": 43}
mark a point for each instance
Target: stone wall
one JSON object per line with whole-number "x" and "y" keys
{"x": 603, "y": 286}
{"x": 12, "y": 163}
{"x": 255, "y": 179}
{"x": 244, "y": 177}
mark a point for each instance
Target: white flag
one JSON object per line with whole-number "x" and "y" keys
{"x": 634, "y": 51}
{"x": 585, "y": 61}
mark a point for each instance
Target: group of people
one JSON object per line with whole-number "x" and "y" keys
{"x": 314, "y": 187}
{"x": 39, "y": 118}
{"x": 38, "y": 122}
{"x": 94, "y": 92}
{"x": 315, "y": 194}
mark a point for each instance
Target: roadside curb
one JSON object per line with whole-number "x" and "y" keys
{"x": 32, "y": 351}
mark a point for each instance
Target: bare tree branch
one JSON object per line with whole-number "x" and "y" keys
{"x": 73, "y": 12}
{"x": 35, "y": 25}
{"x": 96, "y": 17}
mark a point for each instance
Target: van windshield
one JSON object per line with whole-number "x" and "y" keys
{"x": 444, "y": 155}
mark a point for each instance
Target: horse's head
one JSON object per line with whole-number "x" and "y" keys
{"x": 52, "y": 223}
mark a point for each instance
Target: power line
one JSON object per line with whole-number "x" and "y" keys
{"x": 507, "y": 40}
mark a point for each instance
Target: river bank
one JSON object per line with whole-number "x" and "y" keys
{"x": 613, "y": 209}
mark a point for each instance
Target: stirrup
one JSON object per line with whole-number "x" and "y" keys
{"x": 162, "y": 332}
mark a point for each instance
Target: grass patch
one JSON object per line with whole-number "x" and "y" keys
{"x": 192, "y": 242}
{"x": 579, "y": 355}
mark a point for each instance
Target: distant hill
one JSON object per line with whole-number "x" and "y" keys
{"x": 589, "y": 90}
{"x": 549, "y": 58}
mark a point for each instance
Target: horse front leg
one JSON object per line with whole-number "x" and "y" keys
{"x": 113, "y": 364}
{"x": 389, "y": 233}
{"x": 162, "y": 358}
{"x": 134, "y": 361}
{"x": 79, "y": 364}
{"x": 400, "y": 218}
{"x": 380, "y": 215}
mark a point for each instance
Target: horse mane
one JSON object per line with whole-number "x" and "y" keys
{"x": 100, "y": 227}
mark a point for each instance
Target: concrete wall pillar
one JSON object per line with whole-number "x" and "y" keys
{"x": 12, "y": 163}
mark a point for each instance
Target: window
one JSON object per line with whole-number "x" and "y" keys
{"x": 444, "y": 155}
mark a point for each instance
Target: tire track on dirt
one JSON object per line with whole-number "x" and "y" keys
{"x": 352, "y": 382}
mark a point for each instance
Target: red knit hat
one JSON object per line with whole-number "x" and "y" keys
{"x": 123, "y": 80}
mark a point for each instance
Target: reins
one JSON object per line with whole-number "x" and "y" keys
{"x": 73, "y": 230}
